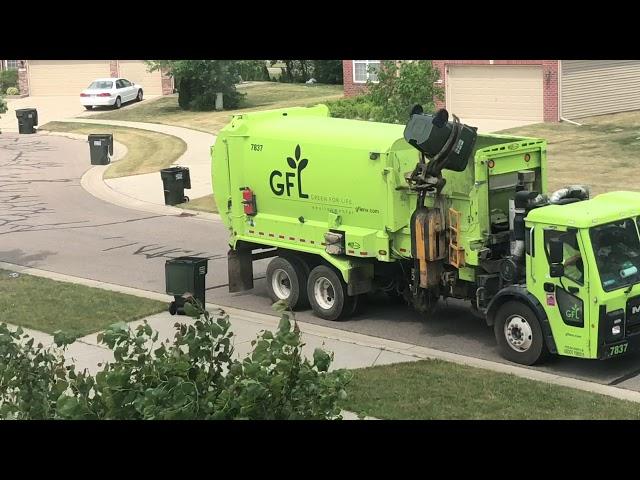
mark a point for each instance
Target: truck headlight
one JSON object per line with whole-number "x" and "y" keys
{"x": 614, "y": 327}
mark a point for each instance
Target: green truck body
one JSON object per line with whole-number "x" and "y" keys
{"x": 327, "y": 195}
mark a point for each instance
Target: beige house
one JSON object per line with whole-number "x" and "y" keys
{"x": 69, "y": 77}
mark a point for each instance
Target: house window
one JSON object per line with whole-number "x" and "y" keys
{"x": 364, "y": 70}
{"x": 13, "y": 64}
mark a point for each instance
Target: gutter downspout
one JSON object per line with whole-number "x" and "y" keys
{"x": 570, "y": 121}
{"x": 560, "y": 97}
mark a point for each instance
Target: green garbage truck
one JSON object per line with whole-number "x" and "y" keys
{"x": 425, "y": 211}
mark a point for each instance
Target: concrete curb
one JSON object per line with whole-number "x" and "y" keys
{"x": 93, "y": 182}
{"x": 271, "y": 321}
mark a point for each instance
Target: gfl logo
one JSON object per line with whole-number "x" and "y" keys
{"x": 275, "y": 179}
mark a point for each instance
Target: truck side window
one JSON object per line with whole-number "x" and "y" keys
{"x": 572, "y": 261}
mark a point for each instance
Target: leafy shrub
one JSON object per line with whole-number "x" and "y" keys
{"x": 8, "y": 78}
{"x": 253, "y": 70}
{"x": 357, "y": 108}
{"x": 194, "y": 377}
{"x": 328, "y": 71}
{"x": 12, "y": 91}
{"x": 200, "y": 80}
{"x": 401, "y": 85}
{"x": 3, "y": 105}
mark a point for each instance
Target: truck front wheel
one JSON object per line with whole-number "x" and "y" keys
{"x": 328, "y": 294}
{"x": 519, "y": 334}
{"x": 287, "y": 280}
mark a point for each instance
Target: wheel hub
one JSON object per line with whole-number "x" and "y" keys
{"x": 281, "y": 284}
{"x": 518, "y": 333}
{"x": 324, "y": 293}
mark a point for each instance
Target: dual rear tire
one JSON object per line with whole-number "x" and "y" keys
{"x": 290, "y": 279}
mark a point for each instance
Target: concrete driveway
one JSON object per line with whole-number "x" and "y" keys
{"x": 50, "y": 108}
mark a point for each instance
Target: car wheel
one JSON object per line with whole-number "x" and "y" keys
{"x": 519, "y": 334}
{"x": 139, "y": 97}
{"x": 89, "y": 107}
{"x": 118, "y": 103}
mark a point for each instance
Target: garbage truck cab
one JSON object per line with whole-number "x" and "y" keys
{"x": 583, "y": 277}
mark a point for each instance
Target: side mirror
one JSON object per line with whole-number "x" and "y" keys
{"x": 556, "y": 251}
{"x": 556, "y": 270}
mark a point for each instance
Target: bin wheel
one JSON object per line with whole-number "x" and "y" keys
{"x": 172, "y": 308}
{"x": 185, "y": 199}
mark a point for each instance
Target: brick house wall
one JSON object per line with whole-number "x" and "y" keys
{"x": 350, "y": 88}
{"x": 550, "y": 73}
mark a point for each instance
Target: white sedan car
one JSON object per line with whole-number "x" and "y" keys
{"x": 110, "y": 92}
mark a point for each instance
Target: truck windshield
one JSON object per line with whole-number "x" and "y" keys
{"x": 616, "y": 246}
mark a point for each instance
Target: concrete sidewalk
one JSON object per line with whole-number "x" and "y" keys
{"x": 136, "y": 191}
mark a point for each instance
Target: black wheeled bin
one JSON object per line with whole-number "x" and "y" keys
{"x": 100, "y": 148}
{"x": 185, "y": 275}
{"x": 174, "y": 181}
{"x": 27, "y": 120}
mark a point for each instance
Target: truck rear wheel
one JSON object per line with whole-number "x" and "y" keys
{"x": 519, "y": 334}
{"x": 328, "y": 294}
{"x": 287, "y": 280}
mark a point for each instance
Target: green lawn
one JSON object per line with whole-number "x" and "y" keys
{"x": 433, "y": 389}
{"x": 260, "y": 96}
{"x": 603, "y": 153}
{"x": 202, "y": 204}
{"x": 147, "y": 152}
{"x": 48, "y": 305}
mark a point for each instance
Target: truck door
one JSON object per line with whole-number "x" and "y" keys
{"x": 566, "y": 298}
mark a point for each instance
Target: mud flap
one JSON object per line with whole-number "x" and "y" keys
{"x": 240, "y": 264}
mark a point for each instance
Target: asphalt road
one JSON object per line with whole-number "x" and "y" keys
{"x": 48, "y": 221}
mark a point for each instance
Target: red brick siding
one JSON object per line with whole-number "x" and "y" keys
{"x": 23, "y": 79}
{"x": 350, "y": 88}
{"x": 549, "y": 81}
{"x": 167, "y": 83}
{"x": 114, "y": 69}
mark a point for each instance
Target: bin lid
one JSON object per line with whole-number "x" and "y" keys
{"x": 187, "y": 260}
{"x": 100, "y": 136}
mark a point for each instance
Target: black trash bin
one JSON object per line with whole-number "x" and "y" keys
{"x": 185, "y": 275}
{"x": 100, "y": 148}
{"x": 27, "y": 120}
{"x": 174, "y": 181}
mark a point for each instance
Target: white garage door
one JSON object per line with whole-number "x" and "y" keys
{"x": 495, "y": 92}
{"x": 596, "y": 87}
{"x": 136, "y": 71}
{"x": 64, "y": 77}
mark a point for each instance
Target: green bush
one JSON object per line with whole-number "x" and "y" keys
{"x": 402, "y": 85}
{"x": 253, "y": 70}
{"x": 12, "y": 91}
{"x": 357, "y": 108}
{"x": 193, "y": 377}
{"x": 8, "y": 78}
{"x": 390, "y": 100}
{"x": 328, "y": 71}
{"x": 3, "y": 105}
{"x": 200, "y": 80}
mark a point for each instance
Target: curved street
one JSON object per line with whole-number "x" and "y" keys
{"x": 48, "y": 221}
